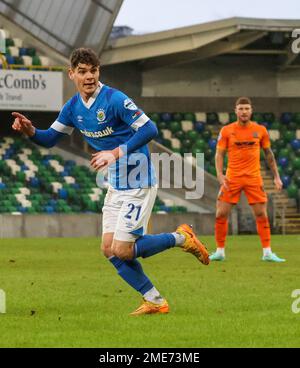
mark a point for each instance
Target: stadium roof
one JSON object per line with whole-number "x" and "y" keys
{"x": 65, "y": 25}
{"x": 184, "y": 45}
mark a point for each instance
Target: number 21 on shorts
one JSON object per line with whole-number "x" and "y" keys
{"x": 134, "y": 212}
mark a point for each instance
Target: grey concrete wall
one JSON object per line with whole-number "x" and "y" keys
{"x": 126, "y": 77}
{"x": 90, "y": 225}
{"x": 223, "y": 77}
{"x": 208, "y": 85}
{"x": 219, "y": 77}
{"x": 49, "y": 226}
{"x": 288, "y": 83}
{"x": 202, "y": 224}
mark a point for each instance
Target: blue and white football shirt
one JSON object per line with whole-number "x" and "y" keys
{"x": 107, "y": 121}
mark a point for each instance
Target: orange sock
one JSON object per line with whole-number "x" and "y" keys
{"x": 221, "y": 227}
{"x": 263, "y": 230}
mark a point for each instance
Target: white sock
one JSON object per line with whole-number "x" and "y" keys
{"x": 179, "y": 239}
{"x": 221, "y": 251}
{"x": 153, "y": 296}
{"x": 267, "y": 251}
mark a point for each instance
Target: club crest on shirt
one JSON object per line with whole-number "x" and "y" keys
{"x": 101, "y": 116}
{"x": 255, "y": 135}
{"x": 129, "y": 104}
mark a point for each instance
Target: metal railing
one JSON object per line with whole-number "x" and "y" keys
{"x": 7, "y": 66}
{"x": 276, "y": 213}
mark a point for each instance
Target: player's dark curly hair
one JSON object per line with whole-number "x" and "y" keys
{"x": 84, "y": 56}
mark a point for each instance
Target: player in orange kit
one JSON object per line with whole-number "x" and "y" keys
{"x": 243, "y": 141}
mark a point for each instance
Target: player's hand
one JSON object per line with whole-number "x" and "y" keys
{"x": 101, "y": 160}
{"x": 278, "y": 184}
{"x": 223, "y": 181}
{"x": 22, "y": 124}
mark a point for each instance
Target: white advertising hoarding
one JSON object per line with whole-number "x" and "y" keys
{"x": 31, "y": 90}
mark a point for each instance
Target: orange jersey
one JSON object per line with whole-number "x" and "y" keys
{"x": 243, "y": 144}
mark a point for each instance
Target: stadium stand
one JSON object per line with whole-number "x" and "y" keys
{"x": 18, "y": 56}
{"x": 34, "y": 181}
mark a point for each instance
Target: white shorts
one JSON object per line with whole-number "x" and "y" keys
{"x": 126, "y": 213}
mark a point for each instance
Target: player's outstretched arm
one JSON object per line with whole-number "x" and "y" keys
{"x": 45, "y": 138}
{"x": 269, "y": 155}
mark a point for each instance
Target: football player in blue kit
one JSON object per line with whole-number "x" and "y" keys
{"x": 119, "y": 132}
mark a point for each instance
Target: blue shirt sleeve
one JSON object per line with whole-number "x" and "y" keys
{"x": 127, "y": 111}
{"x": 46, "y": 138}
{"x": 143, "y": 136}
{"x": 63, "y": 123}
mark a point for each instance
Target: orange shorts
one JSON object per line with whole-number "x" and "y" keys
{"x": 253, "y": 190}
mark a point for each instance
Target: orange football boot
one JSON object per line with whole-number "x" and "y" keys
{"x": 192, "y": 244}
{"x": 151, "y": 308}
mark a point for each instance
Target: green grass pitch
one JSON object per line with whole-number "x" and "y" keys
{"x": 63, "y": 293}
